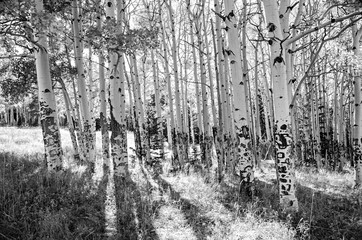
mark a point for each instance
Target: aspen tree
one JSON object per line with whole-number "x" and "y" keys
{"x": 116, "y": 96}
{"x": 244, "y": 166}
{"x": 102, "y": 97}
{"x": 197, "y": 90}
{"x": 171, "y": 123}
{"x": 91, "y": 96}
{"x": 219, "y": 133}
{"x": 283, "y": 137}
{"x": 68, "y": 108}
{"x": 140, "y": 115}
{"x": 208, "y": 54}
{"x": 177, "y": 86}
{"x": 76, "y": 110}
{"x": 156, "y": 85}
{"x": 357, "y": 127}
{"x": 223, "y": 78}
{"x": 257, "y": 110}
{"x": 205, "y": 134}
{"x": 186, "y": 132}
{"x": 82, "y": 92}
{"x": 121, "y": 166}
{"x": 48, "y": 112}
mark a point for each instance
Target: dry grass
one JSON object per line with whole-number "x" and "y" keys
{"x": 167, "y": 206}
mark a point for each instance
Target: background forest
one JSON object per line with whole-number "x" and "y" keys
{"x": 195, "y": 119}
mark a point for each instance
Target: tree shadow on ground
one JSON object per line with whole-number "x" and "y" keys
{"x": 320, "y": 215}
{"x": 134, "y": 211}
{"x": 200, "y": 224}
{"x": 37, "y": 205}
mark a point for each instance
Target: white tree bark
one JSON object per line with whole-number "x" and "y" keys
{"x": 357, "y": 128}
{"x": 283, "y": 135}
{"x": 48, "y": 112}
{"x": 117, "y": 98}
{"x": 103, "y": 99}
{"x": 244, "y": 166}
{"x": 82, "y": 89}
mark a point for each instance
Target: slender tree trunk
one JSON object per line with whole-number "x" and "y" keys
{"x": 357, "y": 127}
{"x": 219, "y": 130}
{"x": 159, "y": 121}
{"x": 48, "y": 112}
{"x": 68, "y": 107}
{"x": 180, "y": 155}
{"x": 82, "y": 92}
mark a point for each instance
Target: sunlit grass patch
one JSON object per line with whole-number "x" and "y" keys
{"x": 251, "y": 227}
{"x": 331, "y": 182}
{"x": 329, "y": 207}
{"x": 171, "y": 223}
{"x": 226, "y": 221}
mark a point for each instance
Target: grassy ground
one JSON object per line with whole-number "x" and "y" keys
{"x": 171, "y": 206}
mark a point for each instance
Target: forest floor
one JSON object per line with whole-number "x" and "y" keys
{"x": 77, "y": 204}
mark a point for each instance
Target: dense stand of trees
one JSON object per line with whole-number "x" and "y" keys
{"x": 244, "y": 80}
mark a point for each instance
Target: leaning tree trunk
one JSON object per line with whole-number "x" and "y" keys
{"x": 48, "y": 112}
{"x": 283, "y": 135}
{"x": 68, "y": 108}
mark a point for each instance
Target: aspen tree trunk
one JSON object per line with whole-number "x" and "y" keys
{"x": 321, "y": 116}
{"x": 335, "y": 124}
{"x": 224, "y": 82}
{"x": 47, "y": 110}
{"x": 159, "y": 121}
{"x": 186, "y": 137}
{"x": 82, "y": 92}
{"x": 269, "y": 114}
{"x": 76, "y": 114}
{"x": 317, "y": 124}
{"x": 257, "y": 111}
{"x": 208, "y": 54}
{"x": 68, "y": 108}
{"x": 283, "y": 137}
{"x": 219, "y": 133}
{"x": 116, "y": 100}
{"x": 130, "y": 98}
{"x": 244, "y": 166}
{"x": 197, "y": 91}
{"x": 91, "y": 96}
{"x": 145, "y": 126}
{"x": 103, "y": 99}
{"x": 12, "y": 116}
{"x": 205, "y": 134}
{"x": 357, "y": 127}
{"x": 140, "y": 115}
{"x": 229, "y": 134}
{"x": 7, "y": 120}
{"x": 171, "y": 123}
{"x": 178, "y": 133}
{"x": 341, "y": 119}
